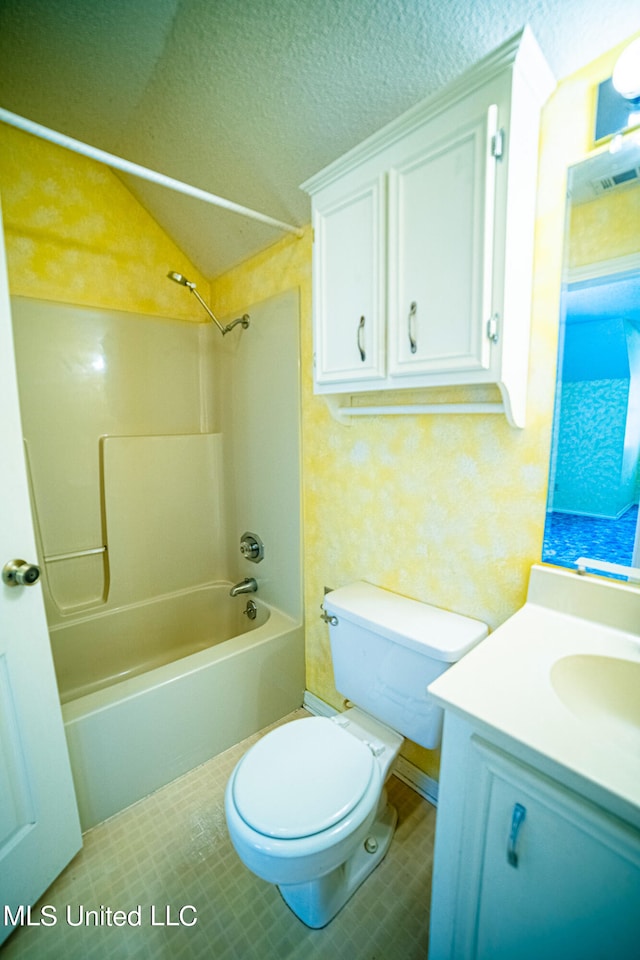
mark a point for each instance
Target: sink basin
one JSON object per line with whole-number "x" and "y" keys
{"x": 603, "y": 691}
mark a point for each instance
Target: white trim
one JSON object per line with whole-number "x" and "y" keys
{"x": 421, "y": 782}
{"x": 603, "y": 268}
{"x": 316, "y": 706}
{"x": 136, "y": 170}
{"x": 585, "y": 564}
{"x": 406, "y": 771}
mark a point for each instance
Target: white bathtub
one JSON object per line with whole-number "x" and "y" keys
{"x": 151, "y": 690}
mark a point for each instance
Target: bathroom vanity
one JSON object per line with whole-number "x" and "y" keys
{"x": 538, "y": 832}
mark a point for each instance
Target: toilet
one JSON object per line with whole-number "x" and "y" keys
{"x": 306, "y": 806}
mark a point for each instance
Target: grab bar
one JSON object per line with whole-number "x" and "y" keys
{"x": 77, "y": 553}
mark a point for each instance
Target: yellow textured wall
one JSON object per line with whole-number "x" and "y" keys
{"x": 449, "y": 510}
{"x": 605, "y": 228}
{"x": 74, "y": 233}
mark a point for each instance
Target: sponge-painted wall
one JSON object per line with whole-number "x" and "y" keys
{"x": 75, "y": 234}
{"x": 605, "y": 228}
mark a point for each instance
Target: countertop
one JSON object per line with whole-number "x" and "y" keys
{"x": 505, "y": 681}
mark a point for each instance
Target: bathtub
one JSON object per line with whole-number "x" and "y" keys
{"x": 151, "y": 690}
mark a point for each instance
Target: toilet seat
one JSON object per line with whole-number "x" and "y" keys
{"x": 301, "y": 779}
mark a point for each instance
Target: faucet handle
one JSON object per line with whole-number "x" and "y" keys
{"x": 251, "y": 547}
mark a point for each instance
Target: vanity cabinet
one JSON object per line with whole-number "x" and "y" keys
{"x": 526, "y": 866}
{"x": 423, "y": 240}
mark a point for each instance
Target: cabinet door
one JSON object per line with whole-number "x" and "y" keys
{"x": 349, "y": 288}
{"x": 548, "y": 874}
{"x": 441, "y": 243}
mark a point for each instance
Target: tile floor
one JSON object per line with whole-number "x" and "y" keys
{"x": 172, "y": 850}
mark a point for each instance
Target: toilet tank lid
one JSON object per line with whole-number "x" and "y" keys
{"x": 427, "y": 629}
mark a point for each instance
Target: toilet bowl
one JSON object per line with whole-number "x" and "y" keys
{"x": 306, "y": 807}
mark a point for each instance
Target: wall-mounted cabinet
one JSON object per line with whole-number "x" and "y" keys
{"x": 423, "y": 240}
{"x": 349, "y": 288}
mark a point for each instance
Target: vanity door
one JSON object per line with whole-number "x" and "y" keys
{"x": 545, "y": 873}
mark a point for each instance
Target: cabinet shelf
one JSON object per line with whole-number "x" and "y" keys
{"x": 343, "y": 413}
{"x": 484, "y": 399}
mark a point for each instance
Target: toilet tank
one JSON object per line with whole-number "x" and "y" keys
{"x": 386, "y": 650}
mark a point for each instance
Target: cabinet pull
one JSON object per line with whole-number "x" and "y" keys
{"x": 517, "y": 819}
{"x": 359, "y": 341}
{"x": 413, "y": 309}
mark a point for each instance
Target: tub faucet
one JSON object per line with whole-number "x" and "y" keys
{"x": 248, "y": 585}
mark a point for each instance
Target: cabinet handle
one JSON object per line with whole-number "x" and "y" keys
{"x": 517, "y": 819}
{"x": 359, "y": 341}
{"x": 413, "y": 309}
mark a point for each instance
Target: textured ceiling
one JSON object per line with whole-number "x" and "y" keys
{"x": 248, "y": 98}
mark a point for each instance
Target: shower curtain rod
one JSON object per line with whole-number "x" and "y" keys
{"x": 126, "y": 166}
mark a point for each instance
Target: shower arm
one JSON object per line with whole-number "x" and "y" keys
{"x": 244, "y": 319}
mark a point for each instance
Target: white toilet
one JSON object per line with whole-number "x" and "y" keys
{"x": 306, "y": 807}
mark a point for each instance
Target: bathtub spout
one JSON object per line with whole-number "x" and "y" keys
{"x": 248, "y": 585}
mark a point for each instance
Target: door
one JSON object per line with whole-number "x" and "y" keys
{"x": 39, "y": 826}
{"x": 348, "y": 284}
{"x": 549, "y": 874}
{"x": 441, "y": 212}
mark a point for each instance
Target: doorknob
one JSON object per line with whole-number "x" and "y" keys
{"x": 19, "y": 573}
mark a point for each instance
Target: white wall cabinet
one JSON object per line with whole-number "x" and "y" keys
{"x": 423, "y": 240}
{"x": 526, "y": 867}
{"x": 441, "y": 202}
{"x": 348, "y": 274}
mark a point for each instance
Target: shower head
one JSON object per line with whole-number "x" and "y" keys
{"x": 181, "y": 279}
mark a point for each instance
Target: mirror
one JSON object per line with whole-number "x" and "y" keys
{"x": 594, "y": 478}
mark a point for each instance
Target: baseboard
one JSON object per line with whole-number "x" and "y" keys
{"x": 415, "y": 778}
{"x": 406, "y": 771}
{"x": 316, "y": 706}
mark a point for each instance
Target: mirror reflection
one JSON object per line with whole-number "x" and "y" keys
{"x": 594, "y": 480}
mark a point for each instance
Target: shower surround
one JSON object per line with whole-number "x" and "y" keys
{"x": 152, "y": 447}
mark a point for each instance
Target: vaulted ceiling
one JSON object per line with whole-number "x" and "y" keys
{"x": 248, "y": 98}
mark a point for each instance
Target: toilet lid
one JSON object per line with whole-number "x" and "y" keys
{"x": 301, "y": 778}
